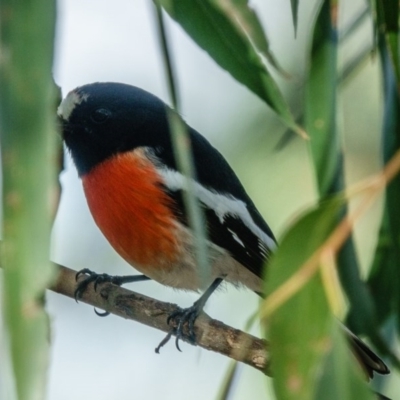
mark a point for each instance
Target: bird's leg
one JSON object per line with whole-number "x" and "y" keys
{"x": 93, "y": 277}
{"x": 188, "y": 315}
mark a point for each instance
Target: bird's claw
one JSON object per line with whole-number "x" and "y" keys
{"x": 181, "y": 317}
{"x": 185, "y": 316}
{"x": 101, "y": 314}
{"x": 96, "y": 279}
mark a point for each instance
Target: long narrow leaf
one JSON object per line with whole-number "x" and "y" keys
{"x": 388, "y": 20}
{"x": 27, "y": 35}
{"x": 321, "y": 100}
{"x": 321, "y": 110}
{"x": 183, "y": 154}
{"x": 295, "y": 11}
{"x": 247, "y": 20}
{"x": 384, "y": 279}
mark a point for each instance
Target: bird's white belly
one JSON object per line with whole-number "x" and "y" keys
{"x": 185, "y": 274}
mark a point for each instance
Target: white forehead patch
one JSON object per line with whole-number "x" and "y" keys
{"x": 68, "y": 104}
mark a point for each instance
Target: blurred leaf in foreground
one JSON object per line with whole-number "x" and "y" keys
{"x": 340, "y": 378}
{"x": 298, "y": 306}
{"x": 27, "y": 136}
{"x": 299, "y": 329}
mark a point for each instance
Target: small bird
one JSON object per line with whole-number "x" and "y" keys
{"x": 119, "y": 139}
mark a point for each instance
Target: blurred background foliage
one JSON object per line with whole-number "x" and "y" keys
{"x": 328, "y": 68}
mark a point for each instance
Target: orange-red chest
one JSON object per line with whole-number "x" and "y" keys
{"x": 127, "y": 202}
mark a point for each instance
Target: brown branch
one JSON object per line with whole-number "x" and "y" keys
{"x": 210, "y": 334}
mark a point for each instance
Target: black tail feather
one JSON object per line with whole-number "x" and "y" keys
{"x": 367, "y": 358}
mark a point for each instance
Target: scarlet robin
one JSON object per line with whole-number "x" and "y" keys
{"x": 119, "y": 139}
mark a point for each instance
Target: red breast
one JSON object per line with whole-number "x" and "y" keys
{"x": 126, "y": 199}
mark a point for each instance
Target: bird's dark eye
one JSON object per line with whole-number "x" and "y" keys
{"x": 100, "y": 115}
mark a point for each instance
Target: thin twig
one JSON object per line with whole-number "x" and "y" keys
{"x": 166, "y": 56}
{"x": 210, "y": 334}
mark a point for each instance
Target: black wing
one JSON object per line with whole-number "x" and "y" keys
{"x": 231, "y": 234}
{"x": 215, "y": 174}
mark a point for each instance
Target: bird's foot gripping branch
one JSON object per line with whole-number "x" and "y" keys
{"x": 210, "y": 334}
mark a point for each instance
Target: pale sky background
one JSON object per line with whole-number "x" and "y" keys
{"x": 111, "y": 358}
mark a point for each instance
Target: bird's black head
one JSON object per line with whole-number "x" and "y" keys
{"x": 100, "y": 120}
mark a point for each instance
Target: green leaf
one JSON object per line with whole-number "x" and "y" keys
{"x": 217, "y": 32}
{"x": 320, "y": 117}
{"x": 299, "y": 329}
{"x": 388, "y": 20}
{"x": 321, "y": 98}
{"x": 384, "y": 279}
{"x": 340, "y": 379}
{"x": 295, "y": 8}
{"x": 27, "y": 136}
{"x": 302, "y": 331}
{"x": 247, "y": 20}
